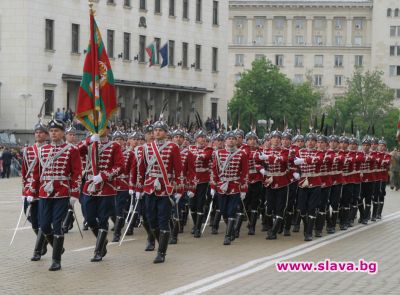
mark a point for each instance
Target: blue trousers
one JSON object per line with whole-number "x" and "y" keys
{"x": 158, "y": 211}
{"x": 228, "y": 205}
{"x": 83, "y": 208}
{"x": 33, "y": 217}
{"x": 98, "y": 210}
{"x": 122, "y": 200}
{"x": 52, "y": 212}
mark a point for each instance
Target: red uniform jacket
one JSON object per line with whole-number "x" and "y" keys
{"x": 276, "y": 167}
{"x": 110, "y": 165}
{"x": 202, "y": 156}
{"x": 254, "y": 167}
{"x": 58, "y": 173}
{"x": 29, "y": 160}
{"x": 127, "y": 180}
{"x": 368, "y": 167}
{"x": 150, "y": 177}
{"x": 188, "y": 170}
{"x": 310, "y": 176}
{"x": 326, "y": 168}
{"x": 337, "y": 167}
{"x": 230, "y": 172}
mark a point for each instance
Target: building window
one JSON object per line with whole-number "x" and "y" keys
{"x": 185, "y": 9}
{"x": 75, "y": 38}
{"x": 157, "y": 6}
{"x": 358, "y": 24}
{"x": 392, "y": 50}
{"x": 279, "y": 23}
{"x": 184, "y": 55}
{"x": 318, "y": 40}
{"x": 214, "y": 59}
{"x": 396, "y": 12}
{"x": 339, "y": 23}
{"x": 299, "y": 40}
{"x": 142, "y": 4}
{"x": 110, "y": 43}
{"x": 259, "y": 22}
{"x": 171, "y": 53}
{"x": 318, "y": 61}
{"x": 299, "y": 24}
{"x": 259, "y": 40}
{"x": 127, "y": 46}
{"x": 359, "y": 61}
{"x": 215, "y": 12}
{"x": 238, "y": 76}
{"x": 111, "y": 2}
{"x": 338, "y": 61}
{"x": 318, "y": 80}
{"x": 49, "y": 34}
{"x": 278, "y": 40}
{"x": 338, "y": 40}
{"x": 198, "y": 10}
{"x": 298, "y": 60}
{"x": 298, "y": 79}
{"x": 49, "y": 102}
{"x": 338, "y": 80}
{"x": 127, "y": 3}
{"x": 394, "y": 71}
{"x": 239, "y": 60}
{"x": 397, "y": 93}
{"x": 357, "y": 41}
{"x": 198, "y": 57}
{"x": 389, "y": 12}
{"x": 214, "y": 110}
{"x": 158, "y": 44}
{"x": 392, "y": 31}
{"x": 142, "y": 48}
{"x": 239, "y": 39}
{"x": 171, "y": 7}
{"x": 319, "y": 23}
{"x": 279, "y": 60}
{"x": 260, "y": 56}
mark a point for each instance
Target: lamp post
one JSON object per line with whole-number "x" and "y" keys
{"x": 25, "y": 96}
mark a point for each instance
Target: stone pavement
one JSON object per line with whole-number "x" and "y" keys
{"x": 129, "y": 270}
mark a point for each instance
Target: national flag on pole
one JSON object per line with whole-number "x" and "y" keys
{"x": 164, "y": 55}
{"x": 95, "y": 105}
{"x": 152, "y": 53}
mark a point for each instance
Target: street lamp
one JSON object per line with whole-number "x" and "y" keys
{"x": 25, "y": 96}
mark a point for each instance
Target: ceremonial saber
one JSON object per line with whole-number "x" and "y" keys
{"x": 77, "y": 222}
{"x": 177, "y": 215}
{"x": 27, "y": 213}
{"x": 208, "y": 216}
{"x": 130, "y": 209}
{"x": 16, "y": 228}
{"x": 129, "y": 223}
{"x": 244, "y": 209}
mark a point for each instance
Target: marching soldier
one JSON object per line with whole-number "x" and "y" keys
{"x": 368, "y": 178}
{"x": 160, "y": 173}
{"x": 230, "y": 172}
{"x": 124, "y": 184}
{"x": 29, "y": 193}
{"x": 99, "y": 191}
{"x": 202, "y": 154}
{"x": 58, "y": 176}
{"x": 383, "y": 176}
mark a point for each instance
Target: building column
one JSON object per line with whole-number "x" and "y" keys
{"x": 309, "y": 41}
{"x": 329, "y": 30}
{"x": 368, "y": 32}
{"x": 250, "y": 27}
{"x": 269, "y": 37}
{"x": 289, "y": 29}
{"x": 349, "y": 29}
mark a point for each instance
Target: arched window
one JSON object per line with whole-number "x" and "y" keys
{"x": 396, "y": 12}
{"x": 389, "y": 12}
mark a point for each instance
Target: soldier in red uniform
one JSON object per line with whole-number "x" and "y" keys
{"x": 100, "y": 189}
{"x": 230, "y": 172}
{"x": 382, "y": 174}
{"x": 276, "y": 182}
{"x": 187, "y": 176}
{"x": 57, "y": 174}
{"x": 337, "y": 184}
{"x": 29, "y": 193}
{"x": 266, "y": 221}
{"x": 309, "y": 160}
{"x": 202, "y": 154}
{"x": 298, "y": 143}
{"x": 124, "y": 184}
{"x": 160, "y": 172}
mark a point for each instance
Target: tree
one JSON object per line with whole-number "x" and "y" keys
{"x": 264, "y": 92}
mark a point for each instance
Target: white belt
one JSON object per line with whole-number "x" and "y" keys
{"x": 229, "y": 179}
{"x": 202, "y": 169}
{"x": 159, "y": 175}
{"x": 276, "y": 174}
{"x": 310, "y": 174}
{"x": 350, "y": 173}
{"x": 55, "y": 178}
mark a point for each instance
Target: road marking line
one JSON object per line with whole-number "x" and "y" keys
{"x": 256, "y": 265}
{"x": 109, "y": 244}
{"x": 9, "y": 202}
{"x": 20, "y": 228}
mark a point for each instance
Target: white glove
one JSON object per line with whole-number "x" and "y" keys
{"x": 95, "y": 137}
{"x": 97, "y": 179}
{"x": 178, "y": 197}
{"x": 72, "y": 201}
{"x": 138, "y": 196}
{"x": 263, "y": 156}
{"x": 30, "y": 199}
{"x": 296, "y": 175}
{"x": 190, "y": 194}
{"x": 263, "y": 172}
{"x": 242, "y": 196}
{"x": 131, "y": 192}
{"x": 299, "y": 161}
{"x": 212, "y": 192}
{"x": 23, "y": 198}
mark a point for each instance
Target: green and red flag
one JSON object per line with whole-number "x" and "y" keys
{"x": 152, "y": 53}
{"x": 97, "y": 96}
